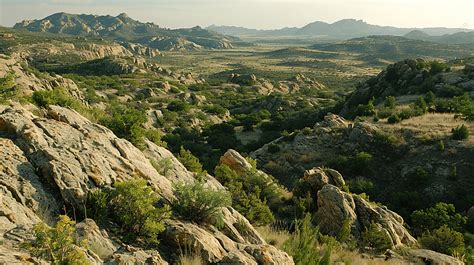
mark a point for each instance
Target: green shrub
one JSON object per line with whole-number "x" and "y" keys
{"x": 57, "y": 244}
{"x": 390, "y": 102}
{"x": 97, "y": 205}
{"x": 419, "y": 176}
{"x": 366, "y": 110}
{"x": 126, "y": 122}
{"x": 441, "y": 146}
{"x": 437, "y": 216}
{"x": 215, "y": 109}
{"x": 304, "y": 246}
{"x": 443, "y": 240}
{"x": 273, "y": 148}
{"x": 430, "y": 98}
{"x": 376, "y": 238}
{"x": 191, "y": 163}
{"x": 384, "y": 113}
{"x": 155, "y": 136}
{"x": 252, "y": 193}
{"x": 360, "y": 185}
{"x": 178, "y": 106}
{"x": 460, "y": 133}
{"x": 394, "y": 119}
{"x": 199, "y": 203}
{"x": 57, "y": 96}
{"x": 437, "y": 67}
{"x": 7, "y": 87}
{"x": 132, "y": 205}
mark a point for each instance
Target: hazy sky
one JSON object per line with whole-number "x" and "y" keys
{"x": 262, "y": 14}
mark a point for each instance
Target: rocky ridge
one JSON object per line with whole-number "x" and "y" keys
{"x": 122, "y": 27}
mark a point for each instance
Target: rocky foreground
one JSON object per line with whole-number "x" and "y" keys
{"x": 51, "y": 160}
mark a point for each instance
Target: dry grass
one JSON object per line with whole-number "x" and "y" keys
{"x": 434, "y": 125}
{"x": 190, "y": 260}
{"x": 272, "y": 236}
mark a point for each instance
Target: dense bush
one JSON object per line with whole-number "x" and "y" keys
{"x": 57, "y": 96}
{"x": 437, "y": 67}
{"x": 360, "y": 185}
{"x": 252, "y": 193}
{"x": 304, "y": 245}
{"x": 394, "y": 119}
{"x": 178, "y": 106}
{"x": 444, "y": 240}
{"x": 133, "y": 204}
{"x": 462, "y": 104}
{"x": 126, "y": 122}
{"x": 7, "y": 87}
{"x": 200, "y": 203}
{"x": 390, "y": 102}
{"x": 437, "y": 216}
{"x": 376, "y": 238}
{"x": 365, "y": 110}
{"x": 460, "y": 133}
{"x": 191, "y": 163}
{"x": 273, "y": 148}
{"x": 358, "y": 164}
{"x": 57, "y": 244}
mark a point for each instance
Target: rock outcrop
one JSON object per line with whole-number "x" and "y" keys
{"x": 26, "y": 83}
{"x": 51, "y": 162}
{"x": 336, "y": 207}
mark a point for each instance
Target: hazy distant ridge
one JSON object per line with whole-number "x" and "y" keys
{"x": 343, "y": 29}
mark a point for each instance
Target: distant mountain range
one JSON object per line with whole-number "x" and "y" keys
{"x": 343, "y": 29}
{"x": 455, "y": 38}
{"x": 124, "y": 28}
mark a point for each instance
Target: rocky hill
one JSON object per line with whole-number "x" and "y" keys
{"x": 123, "y": 28}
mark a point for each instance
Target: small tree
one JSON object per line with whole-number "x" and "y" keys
{"x": 191, "y": 162}
{"x": 57, "y": 244}
{"x": 199, "y": 203}
{"x": 376, "y": 238}
{"x": 437, "y": 216}
{"x": 460, "y": 132}
{"x": 133, "y": 205}
{"x": 304, "y": 245}
{"x": 421, "y": 104}
{"x": 444, "y": 240}
{"x": 394, "y": 119}
{"x": 389, "y": 102}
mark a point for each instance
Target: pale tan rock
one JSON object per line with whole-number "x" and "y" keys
{"x": 435, "y": 258}
{"x": 235, "y": 161}
{"x": 97, "y": 240}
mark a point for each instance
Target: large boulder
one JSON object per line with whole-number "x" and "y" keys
{"x": 336, "y": 207}
{"x": 318, "y": 177}
{"x": 235, "y": 161}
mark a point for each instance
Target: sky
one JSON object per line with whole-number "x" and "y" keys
{"x": 260, "y": 14}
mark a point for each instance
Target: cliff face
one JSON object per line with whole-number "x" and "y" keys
{"x": 51, "y": 161}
